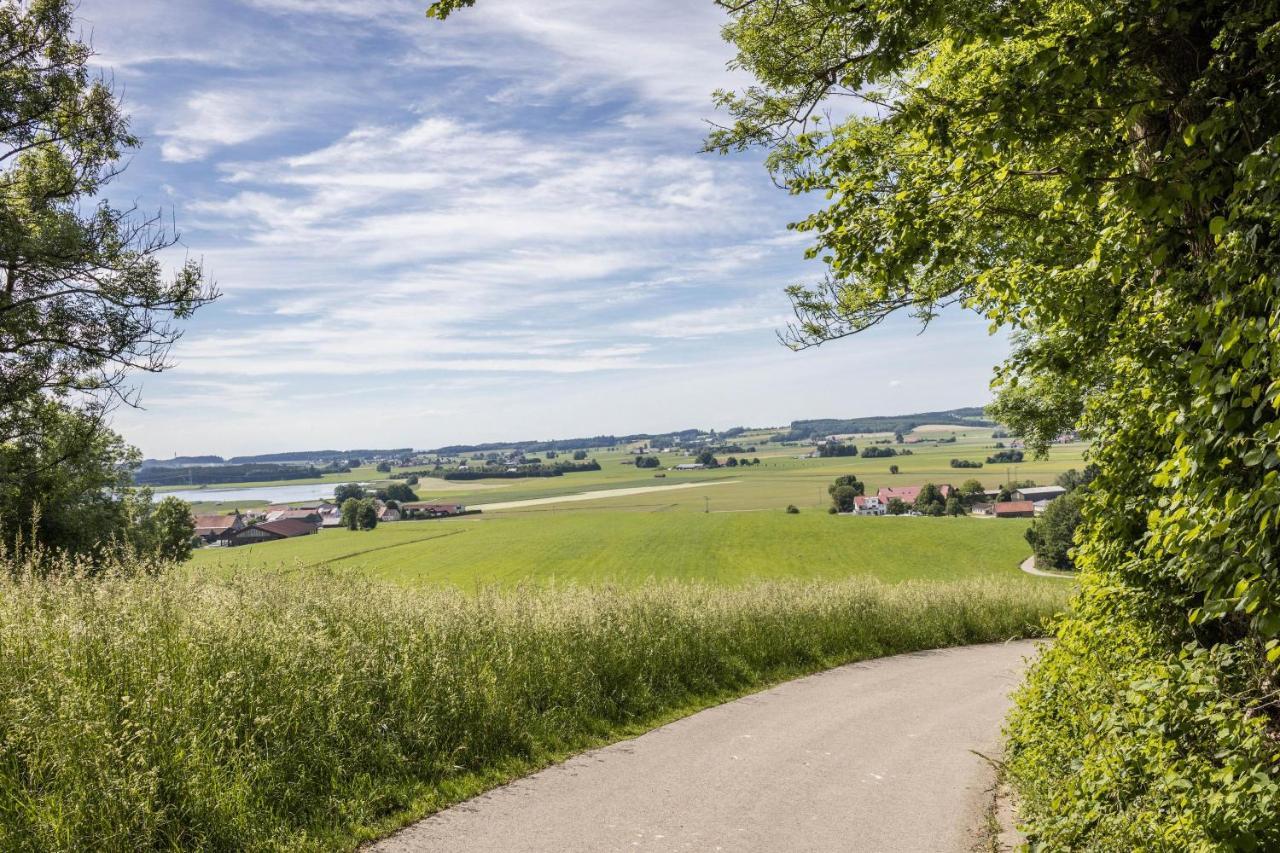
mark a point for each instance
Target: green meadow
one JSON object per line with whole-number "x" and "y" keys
{"x": 730, "y": 526}
{"x": 630, "y": 547}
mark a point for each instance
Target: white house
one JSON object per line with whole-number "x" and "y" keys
{"x": 869, "y": 505}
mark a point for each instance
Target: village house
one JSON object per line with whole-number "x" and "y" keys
{"x": 869, "y": 505}
{"x": 388, "y": 513}
{"x": 216, "y": 528}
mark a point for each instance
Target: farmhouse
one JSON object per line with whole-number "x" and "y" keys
{"x": 268, "y": 531}
{"x": 908, "y": 494}
{"x": 311, "y": 515}
{"x": 869, "y": 505}
{"x": 1039, "y": 493}
{"x": 1015, "y": 509}
{"x": 212, "y": 528}
{"x": 388, "y": 513}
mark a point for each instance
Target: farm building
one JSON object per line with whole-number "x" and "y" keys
{"x": 428, "y": 509}
{"x": 1015, "y": 509}
{"x": 690, "y": 466}
{"x": 298, "y": 514}
{"x": 269, "y": 531}
{"x": 389, "y": 513}
{"x": 1039, "y": 493}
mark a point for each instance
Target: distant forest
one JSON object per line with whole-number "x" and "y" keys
{"x": 970, "y": 416}
{"x": 203, "y": 475}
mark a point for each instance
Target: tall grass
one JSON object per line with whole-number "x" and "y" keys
{"x": 308, "y": 710}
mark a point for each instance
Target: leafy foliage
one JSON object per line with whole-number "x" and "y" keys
{"x": 1103, "y": 179}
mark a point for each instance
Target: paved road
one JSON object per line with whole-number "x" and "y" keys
{"x": 1029, "y": 566}
{"x": 872, "y": 757}
{"x": 595, "y": 495}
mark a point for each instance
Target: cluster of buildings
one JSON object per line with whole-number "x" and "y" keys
{"x": 285, "y": 522}
{"x": 1027, "y": 502}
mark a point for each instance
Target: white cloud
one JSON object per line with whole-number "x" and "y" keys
{"x": 215, "y": 119}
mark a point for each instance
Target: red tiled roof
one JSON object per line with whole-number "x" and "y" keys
{"x": 288, "y": 527}
{"x": 908, "y": 494}
{"x": 1010, "y": 507}
{"x": 214, "y": 523}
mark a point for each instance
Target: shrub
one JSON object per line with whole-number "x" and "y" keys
{"x": 965, "y": 463}
{"x": 792, "y": 509}
{"x": 1052, "y": 535}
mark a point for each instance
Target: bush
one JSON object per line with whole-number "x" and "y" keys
{"x": 965, "y": 463}
{"x": 1052, "y": 535}
{"x": 792, "y": 509}
{"x": 879, "y": 452}
{"x": 1004, "y": 457}
{"x": 1126, "y": 736}
{"x": 265, "y": 711}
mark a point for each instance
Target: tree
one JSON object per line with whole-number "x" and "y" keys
{"x": 367, "y": 514}
{"x": 1052, "y": 535}
{"x": 896, "y": 506}
{"x": 972, "y": 488}
{"x": 351, "y": 513}
{"x": 929, "y": 501}
{"x": 844, "y": 498}
{"x": 84, "y": 299}
{"x": 954, "y": 506}
{"x": 893, "y": 469}
{"x": 897, "y": 437}
{"x": 345, "y": 491}
{"x": 66, "y": 481}
{"x": 731, "y": 462}
{"x": 169, "y": 530}
{"x": 359, "y": 514}
{"x": 400, "y": 492}
{"x": 384, "y": 467}
{"x": 1072, "y": 479}
{"x": 849, "y": 480}
{"x": 579, "y": 455}
{"x": 411, "y": 480}
{"x": 707, "y": 458}
{"x": 647, "y": 462}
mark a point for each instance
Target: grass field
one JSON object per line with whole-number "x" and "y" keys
{"x": 630, "y": 546}
{"x": 309, "y": 711}
{"x": 731, "y": 532}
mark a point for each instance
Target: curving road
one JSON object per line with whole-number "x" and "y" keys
{"x": 874, "y": 756}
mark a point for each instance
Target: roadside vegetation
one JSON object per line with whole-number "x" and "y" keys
{"x": 305, "y": 710}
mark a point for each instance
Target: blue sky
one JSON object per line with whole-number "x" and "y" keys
{"x": 495, "y": 228}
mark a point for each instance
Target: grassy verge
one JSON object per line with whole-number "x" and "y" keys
{"x": 305, "y": 711}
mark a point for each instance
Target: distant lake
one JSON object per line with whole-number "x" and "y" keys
{"x": 270, "y": 494}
